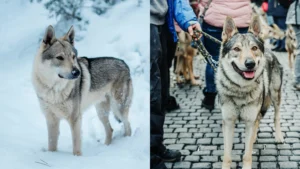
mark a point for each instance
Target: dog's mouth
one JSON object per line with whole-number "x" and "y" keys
{"x": 248, "y": 75}
{"x": 70, "y": 77}
{"x": 60, "y": 76}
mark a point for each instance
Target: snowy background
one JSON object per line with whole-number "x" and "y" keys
{"x": 123, "y": 31}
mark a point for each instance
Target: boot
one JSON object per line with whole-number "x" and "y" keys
{"x": 170, "y": 155}
{"x": 172, "y": 104}
{"x": 209, "y": 100}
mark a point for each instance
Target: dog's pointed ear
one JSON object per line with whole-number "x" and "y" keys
{"x": 70, "y": 35}
{"x": 255, "y": 26}
{"x": 229, "y": 29}
{"x": 49, "y": 35}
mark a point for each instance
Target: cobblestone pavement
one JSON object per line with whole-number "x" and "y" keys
{"x": 197, "y": 133}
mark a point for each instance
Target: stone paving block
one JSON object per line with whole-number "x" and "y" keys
{"x": 185, "y": 135}
{"x": 209, "y": 159}
{"x": 267, "y": 158}
{"x": 201, "y": 165}
{"x": 187, "y": 141}
{"x": 175, "y": 146}
{"x": 182, "y": 165}
{"x": 192, "y": 158}
{"x": 285, "y": 165}
{"x": 191, "y": 147}
{"x": 170, "y": 135}
{"x": 268, "y": 165}
{"x": 204, "y": 141}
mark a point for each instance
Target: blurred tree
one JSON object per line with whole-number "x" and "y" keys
{"x": 69, "y": 12}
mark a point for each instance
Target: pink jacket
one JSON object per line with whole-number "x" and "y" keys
{"x": 239, "y": 10}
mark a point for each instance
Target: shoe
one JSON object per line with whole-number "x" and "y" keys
{"x": 172, "y": 104}
{"x": 170, "y": 155}
{"x": 156, "y": 162}
{"x": 209, "y": 100}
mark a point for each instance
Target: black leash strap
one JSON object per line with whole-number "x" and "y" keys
{"x": 202, "y": 49}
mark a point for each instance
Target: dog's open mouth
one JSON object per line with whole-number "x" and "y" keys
{"x": 248, "y": 75}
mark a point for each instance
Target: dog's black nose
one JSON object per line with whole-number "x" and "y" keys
{"x": 250, "y": 63}
{"x": 75, "y": 72}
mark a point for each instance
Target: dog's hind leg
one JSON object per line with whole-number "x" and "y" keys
{"x": 121, "y": 102}
{"x": 184, "y": 70}
{"x": 53, "y": 131}
{"x": 178, "y": 68}
{"x": 191, "y": 71}
{"x": 103, "y": 109}
{"x": 290, "y": 59}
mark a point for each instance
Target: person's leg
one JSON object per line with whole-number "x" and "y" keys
{"x": 210, "y": 90}
{"x": 297, "y": 60}
{"x": 171, "y": 49}
{"x": 156, "y": 115}
{"x": 280, "y": 44}
{"x": 158, "y": 150}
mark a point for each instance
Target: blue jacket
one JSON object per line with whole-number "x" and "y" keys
{"x": 182, "y": 12}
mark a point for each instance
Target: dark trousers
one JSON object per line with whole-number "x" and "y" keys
{"x": 162, "y": 51}
{"x": 280, "y": 22}
{"x": 158, "y": 74}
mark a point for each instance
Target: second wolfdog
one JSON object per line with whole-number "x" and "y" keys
{"x": 66, "y": 85}
{"x": 249, "y": 78}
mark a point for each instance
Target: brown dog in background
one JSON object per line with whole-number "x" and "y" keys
{"x": 185, "y": 54}
{"x": 290, "y": 45}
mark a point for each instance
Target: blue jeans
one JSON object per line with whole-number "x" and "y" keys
{"x": 214, "y": 50}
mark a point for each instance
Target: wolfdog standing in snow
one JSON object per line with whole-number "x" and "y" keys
{"x": 66, "y": 85}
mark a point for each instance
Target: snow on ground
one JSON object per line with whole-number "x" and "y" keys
{"x": 122, "y": 32}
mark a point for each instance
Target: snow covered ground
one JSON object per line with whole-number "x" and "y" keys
{"x": 122, "y": 32}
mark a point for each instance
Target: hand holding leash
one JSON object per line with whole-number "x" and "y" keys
{"x": 195, "y": 27}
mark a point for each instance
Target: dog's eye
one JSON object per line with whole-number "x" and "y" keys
{"x": 254, "y": 48}
{"x": 73, "y": 56}
{"x": 59, "y": 58}
{"x": 237, "y": 49}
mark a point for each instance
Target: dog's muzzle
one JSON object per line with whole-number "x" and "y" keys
{"x": 248, "y": 75}
{"x": 73, "y": 75}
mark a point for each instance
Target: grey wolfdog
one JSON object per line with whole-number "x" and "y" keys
{"x": 66, "y": 85}
{"x": 248, "y": 79}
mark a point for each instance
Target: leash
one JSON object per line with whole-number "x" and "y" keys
{"x": 199, "y": 45}
{"x": 202, "y": 49}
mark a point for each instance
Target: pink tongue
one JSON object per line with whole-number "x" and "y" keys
{"x": 249, "y": 74}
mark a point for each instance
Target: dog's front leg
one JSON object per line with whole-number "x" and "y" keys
{"x": 53, "y": 130}
{"x": 228, "y": 130}
{"x": 75, "y": 124}
{"x": 249, "y": 139}
{"x": 229, "y": 118}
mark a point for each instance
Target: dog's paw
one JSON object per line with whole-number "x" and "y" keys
{"x": 279, "y": 139}
{"x": 195, "y": 83}
{"x": 247, "y": 167}
{"x": 77, "y": 153}
{"x": 52, "y": 149}
{"x": 107, "y": 142}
